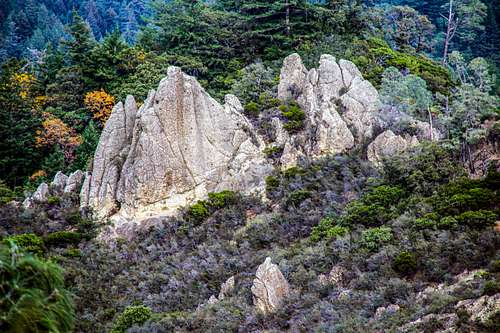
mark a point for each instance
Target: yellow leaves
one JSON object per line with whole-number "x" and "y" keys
{"x": 23, "y": 82}
{"x": 100, "y": 104}
{"x": 55, "y": 131}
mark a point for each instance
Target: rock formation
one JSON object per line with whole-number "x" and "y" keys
{"x": 179, "y": 146}
{"x": 341, "y": 107}
{"x": 61, "y": 184}
{"x": 269, "y": 288}
{"x": 389, "y": 144}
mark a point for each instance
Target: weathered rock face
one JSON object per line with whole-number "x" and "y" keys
{"x": 341, "y": 107}
{"x": 269, "y": 288}
{"x": 389, "y": 144}
{"x": 61, "y": 184}
{"x": 180, "y": 145}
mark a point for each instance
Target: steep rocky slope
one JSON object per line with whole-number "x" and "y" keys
{"x": 181, "y": 144}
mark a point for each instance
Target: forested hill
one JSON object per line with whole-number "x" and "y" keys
{"x": 33, "y": 24}
{"x": 249, "y": 166}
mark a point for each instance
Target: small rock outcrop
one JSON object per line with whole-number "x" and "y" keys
{"x": 340, "y": 106}
{"x": 61, "y": 184}
{"x": 269, "y": 287}
{"x": 180, "y": 145}
{"x": 389, "y": 144}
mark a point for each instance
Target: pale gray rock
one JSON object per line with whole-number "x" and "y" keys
{"x": 179, "y": 146}
{"x": 341, "y": 107}
{"x": 425, "y": 132}
{"x": 227, "y": 288}
{"x": 481, "y": 310}
{"x": 336, "y": 276}
{"x": 74, "y": 182}
{"x": 110, "y": 155}
{"x": 389, "y": 144}
{"x": 269, "y": 288}
{"x": 41, "y": 195}
{"x": 386, "y": 311}
{"x": 85, "y": 190}
{"x": 59, "y": 183}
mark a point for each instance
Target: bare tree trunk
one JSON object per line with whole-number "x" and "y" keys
{"x": 449, "y": 31}
{"x": 431, "y": 134}
{"x": 287, "y": 18}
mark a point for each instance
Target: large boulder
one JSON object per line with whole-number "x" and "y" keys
{"x": 269, "y": 288}
{"x": 389, "y": 144}
{"x": 179, "y": 146}
{"x": 59, "y": 183}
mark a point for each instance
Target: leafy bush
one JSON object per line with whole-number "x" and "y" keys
{"x": 28, "y": 242}
{"x": 199, "y": 211}
{"x": 405, "y": 263}
{"x": 221, "y": 199}
{"x": 73, "y": 253}
{"x": 6, "y": 194}
{"x": 447, "y": 222}
{"x": 252, "y": 109}
{"x": 477, "y": 219}
{"x": 491, "y": 287}
{"x": 272, "y": 183}
{"x": 131, "y": 316}
{"x": 327, "y": 229}
{"x": 63, "y": 238}
{"x": 53, "y": 200}
{"x": 372, "y": 239}
{"x": 273, "y": 151}
{"x": 296, "y": 197}
{"x": 293, "y": 172}
{"x": 294, "y": 116}
{"x": 33, "y": 297}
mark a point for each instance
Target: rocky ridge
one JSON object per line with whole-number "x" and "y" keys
{"x": 181, "y": 144}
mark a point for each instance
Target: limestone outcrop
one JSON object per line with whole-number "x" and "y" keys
{"x": 180, "y": 145}
{"x": 389, "y": 144}
{"x": 340, "y": 106}
{"x": 269, "y": 288}
{"x": 61, "y": 184}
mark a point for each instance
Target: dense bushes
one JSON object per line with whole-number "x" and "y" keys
{"x": 405, "y": 263}
{"x": 63, "y": 238}
{"x": 28, "y": 242}
{"x": 33, "y": 297}
{"x": 132, "y": 315}
{"x": 202, "y": 209}
{"x": 294, "y": 116}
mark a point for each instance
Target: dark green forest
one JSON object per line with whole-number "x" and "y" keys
{"x": 419, "y": 222}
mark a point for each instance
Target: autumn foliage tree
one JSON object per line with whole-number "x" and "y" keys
{"x": 100, "y": 104}
{"x": 55, "y": 132}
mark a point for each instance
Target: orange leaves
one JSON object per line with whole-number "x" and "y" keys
{"x": 100, "y": 104}
{"x": 56, "y": 132}
{"x": 38, "y": 174}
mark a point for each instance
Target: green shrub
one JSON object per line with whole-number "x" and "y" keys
{"x": 294, "y": 115}
{"x": 273, "y": 151}
{"x": 293, "y": 172}
{"x": 32, "y": 297}
{"x": 272, "y": 183}
{"x": 384, "y": 195}
{"x": 28, "y": 242}
{"x": 327, "y": 229}
{"x": 221, "y": 199}
{"x": 428, "y": 221}
{"x": 296, "y": 197}
{"x": 199, "y": 211}
{"x": 6, "y": 194}
{"x": 132, "y": 315}
{"x": 447, "y": 222}
{"x": 53, "y": 200}
{"x": 491, "y": 288}
{"x": 477, "y": 219}
{"x": 495, "y": 266}
{"x": 405, "y": 264}
{"x": 252, "y": 109}
{"x": 63, "y": 238}
{"x": 372, "y": 239}
{"x": 73, "y": 253}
